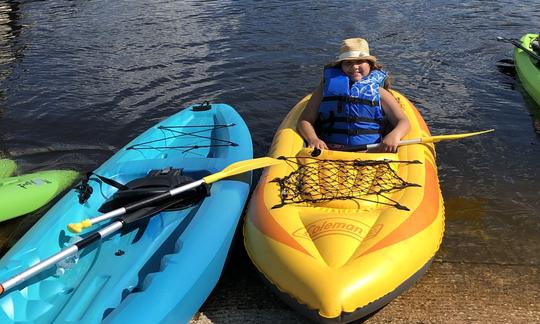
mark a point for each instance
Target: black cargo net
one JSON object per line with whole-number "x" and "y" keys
{"x": 318, "y": 180}
{"x": 197, "y": 133}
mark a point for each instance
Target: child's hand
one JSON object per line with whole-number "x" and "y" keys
{"x": 390, "y": 143}
{"x": 317, "y": 143}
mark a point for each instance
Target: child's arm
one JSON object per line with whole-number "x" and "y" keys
{"x": 308, "y": 118}
{"x": 398, "y": 119}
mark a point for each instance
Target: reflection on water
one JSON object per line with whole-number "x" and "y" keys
{"x": 533, "y": 108}
{"x": 465, "y": 208}
{"x": 9, "y": 29}
{"x": 507, "y": 67}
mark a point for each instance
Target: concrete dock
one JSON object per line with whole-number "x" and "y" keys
{"x": 450, "y": 292}
{"x": 476, "y": 277}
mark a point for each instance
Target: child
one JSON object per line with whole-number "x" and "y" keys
{"x": 348, "y": 106}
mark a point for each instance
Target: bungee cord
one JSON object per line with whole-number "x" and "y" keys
{"x": 177, "y": 134}
{"x": 317, "y": 180}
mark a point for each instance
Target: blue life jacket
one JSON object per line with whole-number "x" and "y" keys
{"x": 351, "y": 115}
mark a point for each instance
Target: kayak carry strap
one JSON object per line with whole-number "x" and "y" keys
{"x": 317, "y": 180}
{"x": 202, "y": 107}
{"x": 85, "y": 191}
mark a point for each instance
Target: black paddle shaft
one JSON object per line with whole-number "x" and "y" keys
{"x": 519, "y": 45}
{"x": 147, "y": 202}
{"x": 130, "y": 219}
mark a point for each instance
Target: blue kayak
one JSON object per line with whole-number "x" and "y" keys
{"x": 159, "y": 269}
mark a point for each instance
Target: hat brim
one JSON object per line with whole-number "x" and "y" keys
{"x": 370, "y": 58}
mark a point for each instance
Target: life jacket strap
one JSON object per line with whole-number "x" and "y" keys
{"x": 350, "y": 120}
{"x": 351, "y": 100}
{"x": 352, "y": 132}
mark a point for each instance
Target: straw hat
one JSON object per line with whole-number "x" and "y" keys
{"x": 354, "y": 49}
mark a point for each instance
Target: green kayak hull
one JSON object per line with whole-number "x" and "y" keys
{"x": 528, "y": 71}
{"x": 7, "y": 167}
{"x": 26, "y": 193}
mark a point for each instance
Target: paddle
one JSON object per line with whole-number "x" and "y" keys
{"x": 516, "y": 43}
{"x": 427, "y": 139}
{"x": 231, "y": 170}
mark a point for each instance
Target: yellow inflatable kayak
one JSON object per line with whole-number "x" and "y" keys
{"x": 339, "y": 235}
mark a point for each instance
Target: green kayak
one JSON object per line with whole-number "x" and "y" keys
{"x": 24, "y": 194}
{"x": 528, "y": 68}
{"x": 7, "y": 167}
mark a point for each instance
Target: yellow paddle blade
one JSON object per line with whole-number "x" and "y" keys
{"x": 241, "y": 167}
{"x": 438, "y": 138}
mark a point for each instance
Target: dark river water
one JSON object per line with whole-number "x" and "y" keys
{"x": 79, "y": 79}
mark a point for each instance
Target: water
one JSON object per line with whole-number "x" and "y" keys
{"x": 79, "y": 79}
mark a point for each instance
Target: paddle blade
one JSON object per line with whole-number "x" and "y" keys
{"x": 438, "y": 138}
{"x": 241, "y": 167}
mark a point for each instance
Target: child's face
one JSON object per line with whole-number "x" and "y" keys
{"x": 356, "y": 70}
